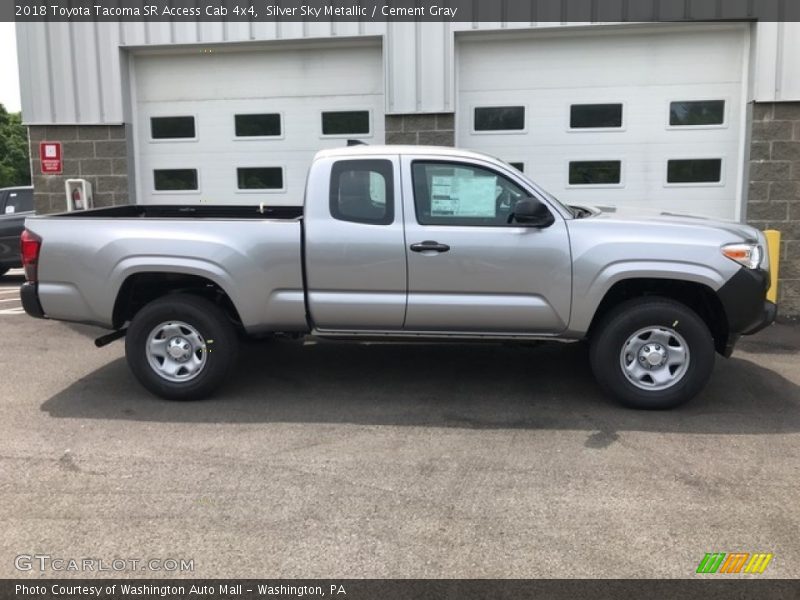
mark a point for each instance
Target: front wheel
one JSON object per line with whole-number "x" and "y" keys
{"x": 652, "y": 353}
{"x": 181, "y": 347}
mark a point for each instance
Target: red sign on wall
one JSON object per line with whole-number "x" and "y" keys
{"x": 50, "y": 157}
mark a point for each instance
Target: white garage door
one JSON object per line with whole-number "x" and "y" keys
{"x": 242, "y": 127}
{"x": 649, "y": 118}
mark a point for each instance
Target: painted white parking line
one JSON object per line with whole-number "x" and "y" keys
{"x": 10, "y": 301}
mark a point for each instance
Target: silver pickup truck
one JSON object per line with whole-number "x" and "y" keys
{"x": 399, "y": 242}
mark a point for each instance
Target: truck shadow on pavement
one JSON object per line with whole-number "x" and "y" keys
{"x": 480, "y": 386}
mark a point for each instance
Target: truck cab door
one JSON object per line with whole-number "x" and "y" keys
{"x": 471, "y": 267}
{"x": 354, "y": 244}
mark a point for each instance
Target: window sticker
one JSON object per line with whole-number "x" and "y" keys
{"x": 463, "y": 196}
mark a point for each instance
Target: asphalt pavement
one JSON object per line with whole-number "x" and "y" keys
{"x": 386, "y": 460}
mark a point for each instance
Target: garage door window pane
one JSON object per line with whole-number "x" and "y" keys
{"x": 707, "y": 170}
{"x": 362, "y": 191}
{"x": 349, "y": 122}
{"x": 172, "y": 180}
{"x": 265, "y": 125}
{"x": 595, "y": 116}
{"x": 500, "y": 118}
{"x": 595, "y": 172}
{"x": 172, "y": 128}
{"x": 260, "y": 178}
{"x": 707, "y": 112}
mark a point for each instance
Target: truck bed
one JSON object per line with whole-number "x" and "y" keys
{"x": 188, "y": 211}
{"x": 254, "y": 257}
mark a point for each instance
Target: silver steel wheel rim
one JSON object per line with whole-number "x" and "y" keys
{"x": 176, "y": 351}
{"x": 654, "y": 358}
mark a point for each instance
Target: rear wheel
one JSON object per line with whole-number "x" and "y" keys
{"x": 652, "y": 353}
{"x": 181, "y": 347}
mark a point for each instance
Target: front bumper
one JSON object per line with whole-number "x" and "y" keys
{"x": 767, "y": 317}
{"x": 29, "y": 294}
{"x": 744, "y": 299}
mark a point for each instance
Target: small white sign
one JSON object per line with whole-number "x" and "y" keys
{"x": 460, "y": 196}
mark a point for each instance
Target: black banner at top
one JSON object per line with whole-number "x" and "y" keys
{"x": 528, "y": 11}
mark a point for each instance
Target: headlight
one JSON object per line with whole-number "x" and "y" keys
{"x": 748, "y": 255}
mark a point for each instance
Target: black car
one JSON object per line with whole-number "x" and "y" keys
{"x": 16, "y": 203}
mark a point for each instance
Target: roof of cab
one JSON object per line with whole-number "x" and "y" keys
{"x": 366, "y": 150}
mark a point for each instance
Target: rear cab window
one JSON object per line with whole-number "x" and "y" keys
{"x": 362, "y": 191}
{"x": 17, "y": 201}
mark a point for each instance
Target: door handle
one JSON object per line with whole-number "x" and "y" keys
{"x": 429, "y": 245}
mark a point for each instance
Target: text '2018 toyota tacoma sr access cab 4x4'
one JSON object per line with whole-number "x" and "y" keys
{"x": 401, "y": 242}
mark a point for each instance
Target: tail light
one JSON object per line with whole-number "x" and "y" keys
{"x": 30, "y": 245}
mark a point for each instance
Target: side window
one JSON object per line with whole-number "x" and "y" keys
{"x": 362, "y": 191}
{"x": 19, "y": 201}
{"x": 459, "y": 194}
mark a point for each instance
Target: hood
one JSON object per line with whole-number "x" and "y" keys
{"x": 649, "y": 215}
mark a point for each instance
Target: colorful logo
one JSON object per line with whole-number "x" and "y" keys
{"x": 734, "y": 562}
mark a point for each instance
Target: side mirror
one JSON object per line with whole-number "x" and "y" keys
{"x": 532, "y": 213}
{"x": 10, "y": 210}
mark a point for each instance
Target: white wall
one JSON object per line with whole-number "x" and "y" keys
{"x": 70, "y": 73}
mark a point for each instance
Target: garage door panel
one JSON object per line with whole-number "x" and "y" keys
{"x": 262, "y": 74}
{"x": 552, "y": 80}
{"x": 601, "y": 60}
{"x": 216, "y": 151}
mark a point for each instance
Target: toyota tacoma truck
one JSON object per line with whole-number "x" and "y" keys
{"x": 398, "y": 243}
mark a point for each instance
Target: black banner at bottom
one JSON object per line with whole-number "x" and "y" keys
{"x": 398, "y": 589}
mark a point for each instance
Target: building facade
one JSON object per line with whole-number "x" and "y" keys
{"x": 690, "y": 117}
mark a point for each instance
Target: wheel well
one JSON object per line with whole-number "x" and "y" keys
{"x": 696, "y": 296}
{"x": 141, "y": 288}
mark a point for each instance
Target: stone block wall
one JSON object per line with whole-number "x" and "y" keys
{"x": 423, "y": 129}
{"x": 97, "y": 153}
{"x": 774, "y": 194}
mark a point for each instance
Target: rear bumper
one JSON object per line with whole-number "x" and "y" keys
{"x": 29, "y": 294}
{"x": 744, "y": 299}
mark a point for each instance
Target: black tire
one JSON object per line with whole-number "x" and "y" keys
{"x": 616, "y": 328}
{"x": 219, "y": 351}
